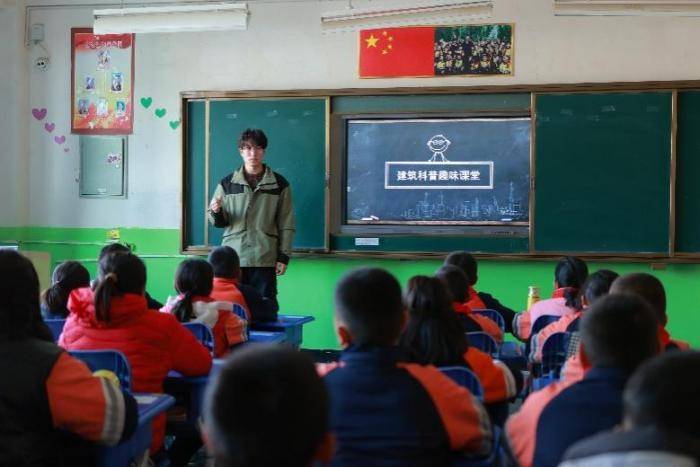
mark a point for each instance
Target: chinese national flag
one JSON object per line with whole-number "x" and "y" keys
{"x": 393, "y": 52}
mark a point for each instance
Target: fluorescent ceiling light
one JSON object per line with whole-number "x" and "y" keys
{"x": 445, "y": 12}
{"x": 172, "y": 18}
{"x": 627, "y": 7}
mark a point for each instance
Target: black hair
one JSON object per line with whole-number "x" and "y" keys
{"x": 646, "y": 286}
{"x": 466, "y": 262}
{"x": 369, "y": 302}
{"x": 119, "y": 273}
{"x": 571, "y": 272}
{"x": 20, "y": 315}
{"x": 67, "y": 276}
{"x": 434, "y": 334}
{"x": 193, "y": 277}
{"x": 253, "y": 135}
{"x": 663, "y": 392}
{"x": 456, "y": 282}
{"x": 225, "y": 262}
{"x": 113, "y": 248}
{"x": 596, "y": 285}
{"x": 619, "y": 331}
{"x": 266, "y": 394}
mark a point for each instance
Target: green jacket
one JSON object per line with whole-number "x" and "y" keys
{"x": 259, "y": 224}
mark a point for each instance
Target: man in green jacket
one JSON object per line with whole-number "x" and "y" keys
{"x": 254, "y": 206}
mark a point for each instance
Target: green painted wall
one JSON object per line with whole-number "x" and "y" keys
{"x": 307, "y": 288}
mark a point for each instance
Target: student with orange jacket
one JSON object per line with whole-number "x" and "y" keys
{"x": 115, "y": 316}
{"x": 456, "y": 283}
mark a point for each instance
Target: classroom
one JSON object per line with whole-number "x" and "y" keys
{"x": 646, "y": 61}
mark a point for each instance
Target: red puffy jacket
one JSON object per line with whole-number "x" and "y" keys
{"x": 153, "y": 342}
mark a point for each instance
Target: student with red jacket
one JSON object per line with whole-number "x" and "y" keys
{"x": 228, "y": 288}
{"x": 115, "y": 316}
{"x": 479, "y": 300}
{"x": 50, "y": 401}
{"x": 435, "y": 336}
{"x": 384, "y": 410}
{"x": 456, "y": 283}
{"x": 193, "y": 281}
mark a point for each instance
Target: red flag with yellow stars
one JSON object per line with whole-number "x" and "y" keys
{"x": 393, "y": 52}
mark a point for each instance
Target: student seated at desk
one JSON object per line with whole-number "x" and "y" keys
{"x": 569, "y": 276}
{"x": 434, "y": 335}
{"x": 115, "y": 316}
{"x": 618, "y": 333}
{"x": 267, "y": 407}
{"x": 66, "y": 276}
{"x": 478, "y": 300}
{"x": 50, "y": 401}
{"x": 597, "y": 285}
{"x": 385, "y": 411}
{"x": 661, "y": 410}
{"x": 193, "y": 281}
{"x": 456, "y": 283}
{"x": 227, "y": 286}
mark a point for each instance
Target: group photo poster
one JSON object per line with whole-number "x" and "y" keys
{"x": 102, "y": 83}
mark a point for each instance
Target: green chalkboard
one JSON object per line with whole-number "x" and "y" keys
{"x": 603, "y": 172}
{"x": 296, "y": 131}
{"x": 688, "y": 173}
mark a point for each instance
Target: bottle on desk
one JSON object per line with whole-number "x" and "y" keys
{"x": 533, "y": 295}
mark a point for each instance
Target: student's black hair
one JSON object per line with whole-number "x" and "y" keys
{"x": 434, "y": 334}
{"x": 119, "y": 273}
{"x": 225, "y": 262}
{"x": 663, "y": 392}
{"x": 455, "y": 281}
{"x": 369, "y": 302}
{"x": 571, "y": 272}
{"x": 67, "y": 276}
{"x": 113, "y": 248}
{"x": 193, "y": 277}
{"x": 596, "y": 285}
{"x": 267, "y": 407}
{"x": 20, "y": 315}
{"x": 253, "y": 135}
{"x": 466, "y": 262}
{"x": 647, "y": 287}
{"x": 619, "y": 331}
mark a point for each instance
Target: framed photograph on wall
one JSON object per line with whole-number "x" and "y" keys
{"x": 102, "y": 83}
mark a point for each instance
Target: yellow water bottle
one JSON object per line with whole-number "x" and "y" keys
{"x": 533, "y": 295}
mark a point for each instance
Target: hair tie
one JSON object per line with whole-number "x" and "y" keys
{"x": 111, "y": 276}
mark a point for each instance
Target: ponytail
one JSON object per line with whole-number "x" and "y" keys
{"x": 183, "y": 309}
{"x": 55, "y": 298}
{"x": 66, "y": 277}
{"x": 119, "y": 273}
{"x": 571, "y": 273}
{"x": 106, "y": 288}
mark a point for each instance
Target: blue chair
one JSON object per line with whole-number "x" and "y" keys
{"x": 483, "y": 342}
{"x": 112, "y": 360}
{"x": 465, "y": 378}
{"x": 494, "y": 316}
{"x": 554, "y": 352}
{"x": 542, "y": 322}
{"x": 239, "y": 311}
{"x": 56, "y": 327}
{"x": 202, "y": 333}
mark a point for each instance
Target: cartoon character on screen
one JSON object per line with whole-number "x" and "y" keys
{"x": 438, "y": 144}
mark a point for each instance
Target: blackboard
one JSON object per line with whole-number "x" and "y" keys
{"x": 296, "y": 131}
{"x": 688, "y": 170}
{"x": 438, "y": 171}
{"x": 603, "y": 172}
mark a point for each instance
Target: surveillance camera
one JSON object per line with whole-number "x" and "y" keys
{"x": 41, "y": 63}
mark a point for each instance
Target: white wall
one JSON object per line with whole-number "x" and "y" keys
{"x": 284, "y": 49}
{"x": 14, "y": 157}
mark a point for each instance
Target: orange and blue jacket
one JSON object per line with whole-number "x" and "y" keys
{"x": 481, "y": 322}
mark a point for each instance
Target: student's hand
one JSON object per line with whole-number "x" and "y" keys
{"x": 215, "y": 204}
{"x": 280, "y": 268}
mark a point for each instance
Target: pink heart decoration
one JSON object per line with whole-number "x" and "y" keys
{"x": 39, "y": 114}
{"x": 59, "y": 139}
{"x": 66, "y": 149}
{"x": 49, "y": 127}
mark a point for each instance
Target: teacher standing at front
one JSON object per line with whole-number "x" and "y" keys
{"x": 254, "y": 206}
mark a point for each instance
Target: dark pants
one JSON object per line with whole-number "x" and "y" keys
{"x": 264, "y": 280}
